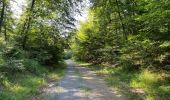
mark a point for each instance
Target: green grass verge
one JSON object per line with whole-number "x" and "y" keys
{"x": 153, "y": 85}
{"x": 22, "y": 86}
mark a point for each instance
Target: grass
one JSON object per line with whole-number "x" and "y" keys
{"x": 56, "y": 72}
{"x": 85, "y": 90}
{"x": 24, "y": 86}
{"x": 136, "y": 85}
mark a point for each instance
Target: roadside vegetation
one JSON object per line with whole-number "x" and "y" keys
{"x": 135, "y": 85}
{"x": 127, "y": 40}
{"x": 131, "y": 38}
{"x": 32, "y": 45}
{"x": 22, "y": 78}
{"x": 26, "y": 86}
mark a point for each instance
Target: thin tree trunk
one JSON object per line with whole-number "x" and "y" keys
{"x": 5, "y": 25}
{"x": 25, "y": 38}
{"x": 27, "y": 25}
{"x": 134, "y": 27}
{"x": 2, "y": 15}
{"x": 5, "y": 32}
{"x": 121, "y": 19}
{"x": 169, "y": 28}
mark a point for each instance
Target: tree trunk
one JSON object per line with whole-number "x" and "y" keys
{"x": 5, "y": 25}
{"x": 168, "y": 28}
{"x": 5, "y": 32}
{"x": 2, "y": 15}
{"x": 27, "y": 25}
{"x": 121, "y": 20}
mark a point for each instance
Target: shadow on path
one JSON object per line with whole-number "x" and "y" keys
{"x": 80, "y": 84}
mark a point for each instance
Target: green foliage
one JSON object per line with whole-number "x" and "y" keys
{"x": 32, "y": 66}
{"x": 132, "y": 33}
{"x": 151, "y": 85}
{"x": 31, "y": 40}
{"x": 68, "y": 54}
{"x": 134, "y": 36}
{"x": 24, "y": 86}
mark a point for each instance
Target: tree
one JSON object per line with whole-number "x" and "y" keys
{"x": 2, "y": 14}
{"x": 136, "y": 29}
{"x": 27, "y": 24}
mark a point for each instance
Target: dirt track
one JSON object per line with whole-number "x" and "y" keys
{"x": 80, "y": 83}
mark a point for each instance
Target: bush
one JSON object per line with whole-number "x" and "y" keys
{"x": 167, "y": 67}
{"x": 15, "y": 60}
{"x": 14, "y": 53}
{"x": 32, "y": 66}
{"x": 68, "y": 54}
{"x": 13, "y": 66}
{"x": 44, "y": 57}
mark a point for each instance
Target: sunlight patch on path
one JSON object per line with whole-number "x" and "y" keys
{"x": 80, "y": 84}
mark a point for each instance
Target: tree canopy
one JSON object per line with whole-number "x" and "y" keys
{"x": 132, "y": 31}
{"x": 133, "y": 35}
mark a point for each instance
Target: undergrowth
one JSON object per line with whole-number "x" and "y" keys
{"x": 22, "y": 86}
{"x": 23, "y": 72}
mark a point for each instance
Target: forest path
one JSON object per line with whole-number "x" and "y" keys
{"x": 80, "y": 83}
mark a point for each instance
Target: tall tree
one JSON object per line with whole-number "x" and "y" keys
{"x": 27, "y": 24}
{"x": 2, "y": 14}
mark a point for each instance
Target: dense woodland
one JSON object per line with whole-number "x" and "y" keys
{"x": 133, "y": 35}
{"x": 126, "y": 31}
{"x": 30, "y": 41}
{"x": 37, "y": 35}
{"x": 130, "y": 39}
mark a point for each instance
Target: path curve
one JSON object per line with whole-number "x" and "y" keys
{"x": 80, "y": 83}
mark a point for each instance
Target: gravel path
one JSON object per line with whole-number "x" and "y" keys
{"x": 80, "y": 84}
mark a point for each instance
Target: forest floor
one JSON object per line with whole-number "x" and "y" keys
{"x": 80, "y": 83}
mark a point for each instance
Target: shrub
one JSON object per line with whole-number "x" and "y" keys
{"x": 14, "y": 53}
{"x": 68, "y": 54}
{"x": 32, "y": 66}
{"x": 167, "y": 67}
{"x": 13, "y": 66}
{"x": 44, "y": 57}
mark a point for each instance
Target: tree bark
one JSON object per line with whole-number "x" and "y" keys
{"x": 5, "y": 31}
{"x": 121, "y": 19}
{"x": 168, "y": 28}
{"x": 27, "y": 25}
{"x": 2, "y": 15}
